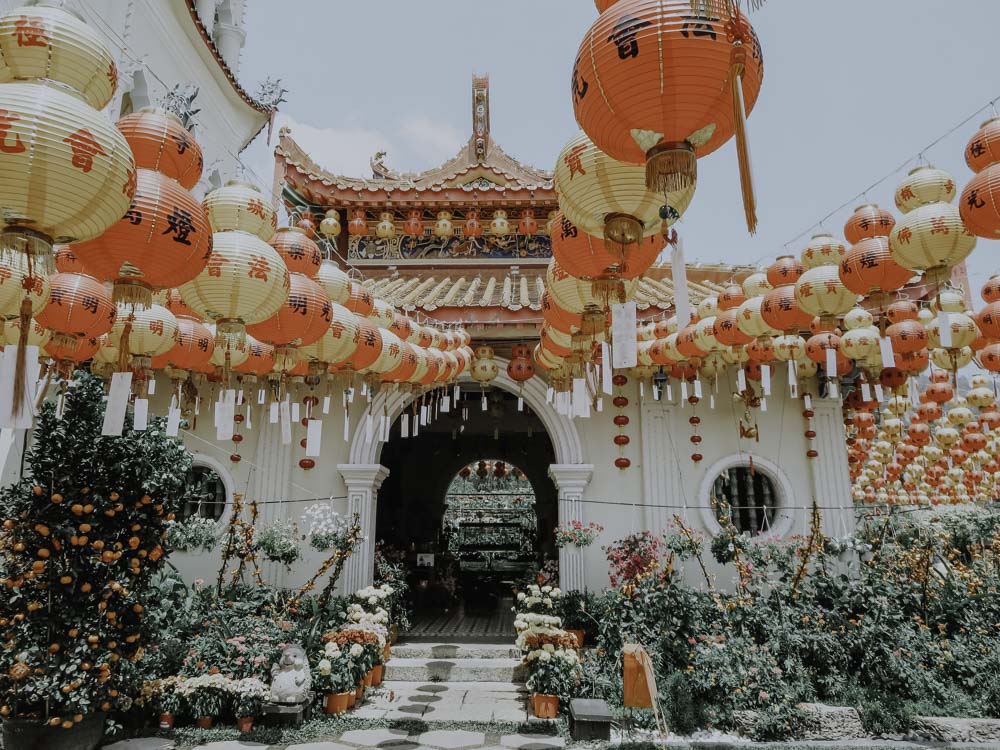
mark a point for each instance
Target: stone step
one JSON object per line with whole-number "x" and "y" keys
{"x": 408, "y": 650}
{"x": 472, "y": 669}
{"x": 447, "y": 702}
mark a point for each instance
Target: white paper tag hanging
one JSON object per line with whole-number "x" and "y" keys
{"x": 249, "y": 422}
{"x": 173, "y": 421}
{"x": 484, "y": 402}
{"x": 670, "y": 392}
{"x": 765, "y": 379}
{"x": 624, "y": 347}
{"x": 697, "y": 387}
{"x": 197, "y": 405}
{"x": 581, "y": 404}
{"x": 656, "y": 393}
{"x": 260, "y": 396}
{"x": 457, "y": 394}
{"x": 416, "y": 425}
{"x": 347, "y": 426}
{"x": 404, "y": 426}
{"x": 763, "y": 404}
{"x": 326, "y": 404}
{"x": 272, "y": 416}
{"x": 520, "y": 403}
{"x": 446, "y": 404}
{"x": 944, "y": 329}
{"x": 684, "y": 392}
{"x": 606, "y": 369}
{"x": 888, "y": 355}
{"x": 831, "y": 363}
{"x": 548, "y": 394}
{"x": 711, "y": 401}
{"x": 384, "y": 431}
{"x": 8, "y": 371}
{"x": 239, "y": 397}
{"x": 878, "y": 393}
{"x": 60, "y": 405}
{"x": 793, "y": 380}
{"x": 741, "y": 380}
{"x": 151, "y": 387}
{"x": 118, "y": 394}
{"x": 866, "y": 392}
{"x": 808, "y": 401}
{"x": 314, "y": 437}
{"x": 285, "y": 412}
{"x": 423, "y": 415}
{"x": 642, "y": 389}
{"x": 834, "y": 392}
{"x": 678, "y": 270}
{"x": 600, "y": 404}
{"x": 295, "y": 412}
{"x": 140, "y": 414}
{"x": 225, "y": 413}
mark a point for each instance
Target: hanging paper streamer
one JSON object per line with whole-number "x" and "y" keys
{"x": 416, "y": 425}
{"x": 225, "y": 413}
{"x": 670, "y": 392}
{"x": 404, "y": 426}
{"x": 118, "y": 395}
{"x": 273, "y": 413}
{"x": 600, "y": 404}
{"x": 765, "y": 379}
{"x": 239, "y": 397}
{"x": 423, "y": 415}
{"x": 606, "y": 369}
{"x": 457, "y": 394}
{"x": 548, "y": 395}
{"x": 484, "y": 402}
{"x": 197, "y": 405}
{"x": 624, "y": 347}
{"x": 888, "y": 355}
{"x": 763, "y": 404}
{"x": 678, "y": 270}
{"x": 260, "y": 397}
{"x": 140, "y": 414}
{"x": 151, "y": 387}
{"x": 831, "y": 363}
{"x": 326, "y": 404}
{"x": 581, "y": 404}
{"x": 697, "y": 387}
{"x": 878, "y": 393}
{"x": 249, "y": 423}
{"x": 8, "y": 369}
{"x": 446, "y": 404}
{"x": 520, "y": 403}
{"x": 295, "y": 412}
{"x": 347, "y": 426}
{"x": 285, "y": 412}
{"x": 793, "y": 379}
{"x": 173, "y": 421}
{"x": 944, "y": 329}
{"x": 642, "y": 390}
{"x": 866, "y": 392}
{"x": 314, "y": 437}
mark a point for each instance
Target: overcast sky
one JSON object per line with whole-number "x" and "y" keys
{"x": 852, "y": 90}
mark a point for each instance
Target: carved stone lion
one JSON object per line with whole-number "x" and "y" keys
{"x": 290, "y": 677}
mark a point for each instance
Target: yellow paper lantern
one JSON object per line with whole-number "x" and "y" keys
{"x": 340, "y": 339}
{"x": 820, "y": 292}
{"x": 391, "y": 355}
{"x": 382, "y": 313}
{"x": 924, "y": 185}
{"x": 749, "y": 320}
{"x": 386, "y": 228}
{"x": 245, "y": 282}
{"x": 151, "y": 330}
{"x": 484, "y": 366}
{"x": 607, "y": 198}
{"x": 823, "y": 250}
{"x": 238, "y": 351}
{"x": 756, "y": 284}
{"x": 330, "y": 226}
{"x": 37, "y": 335}
{"x": 334, "y": 281}
{"x": 17, "y": 284}
{"x": 444, "y": 229}
{"x": 241, "y": 206}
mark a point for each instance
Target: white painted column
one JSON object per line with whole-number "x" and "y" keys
{"x": 831, "y": 479}
{"x": 270, "y": 485}
{"x": 571, "y": 481}
{"x": 363, "y": 482}
{"x": 661, "y": 466}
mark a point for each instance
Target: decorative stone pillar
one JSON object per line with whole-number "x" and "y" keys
{"x": 832, "y": 482}
{"x": 571, "y": 482}
{"x": 363, "y": 482}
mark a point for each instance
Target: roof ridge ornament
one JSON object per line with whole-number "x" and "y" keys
{"x": 480, "y": 117}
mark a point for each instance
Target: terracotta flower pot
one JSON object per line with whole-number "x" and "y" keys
{"x": 377, "y": 675}
{"x": 393, "y": 635}
{"x": 244, "y": 724}
{"x": 359, "y": 694}
{"x": 352, "y": 699}
{"x": 166, "y": 720}
{"x": 204, "y": 722}
{"x": 545, "y": 706}
{"x": 367, "y": 681}
{"x": 336, "y": 703}
{"x": 579, "y": 635}
{"x": 385, "y": 653}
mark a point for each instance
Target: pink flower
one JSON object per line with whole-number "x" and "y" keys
{"x": 764, "y": 696}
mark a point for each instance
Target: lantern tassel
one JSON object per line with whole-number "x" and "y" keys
{"x": 20, "y": 363}
{"x": 742, "y": 144}
{"x": 123, "y": 349}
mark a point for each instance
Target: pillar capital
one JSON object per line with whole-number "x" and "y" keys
{"x": 571, "y": 479}
{"x": 360, "y": 477}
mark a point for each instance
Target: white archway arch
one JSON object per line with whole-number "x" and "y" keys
{"x": 364, "y": 474}
{"x": 561, "y": 429}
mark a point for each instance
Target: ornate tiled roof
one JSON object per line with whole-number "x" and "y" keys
{"x": 522, "y": 290}
{"x": 481, "y": 172}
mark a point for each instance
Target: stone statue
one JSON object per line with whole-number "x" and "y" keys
{"x": 290, "y": 677}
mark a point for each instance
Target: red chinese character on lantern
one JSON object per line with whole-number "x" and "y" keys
{"x": 938, "y": 225}
{"x": 258, "y": 268}
{"x": 128, "y": 188}
{"x": 5, "y": 274}
{"x": 85, "y": 148}
{"x": 215, "y": 264}
{"x": 906, "y": 194}
{"x": 7, "y": 119}
{"x": 156, "y": 327}
{"x": 572, "y": 160}
{"x": 30, "y": 32}
{"x": 256, "y": 206}
{"x": 337, "y": 329}
{"x": 905, "y": 234}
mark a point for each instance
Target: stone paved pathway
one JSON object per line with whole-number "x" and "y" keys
{"x": 385, "y": 739}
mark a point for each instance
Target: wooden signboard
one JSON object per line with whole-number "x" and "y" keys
{"x": 640, "y": 681}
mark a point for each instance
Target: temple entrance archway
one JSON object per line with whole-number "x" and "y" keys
{"x": 543, "y": 443}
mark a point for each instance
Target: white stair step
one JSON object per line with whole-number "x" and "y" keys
{"x": 454, "y": 651}
{"x": 458, "y": 670}
{"x": 447, "y": 702}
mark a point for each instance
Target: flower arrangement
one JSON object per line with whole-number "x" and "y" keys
{"x": 537, "y": 599}
{"x": 194, "y": 534}
{"x": 248, "y": 696}
{"x": 332, "y": 671}
{"x": 634, "y": 556}
{"x": 553, "y": 671}
{"x": 577, "y": 534}
{"x": 206, "y": 694}
{"x": 279, "y": 542}
{"x": 326, "y": 528}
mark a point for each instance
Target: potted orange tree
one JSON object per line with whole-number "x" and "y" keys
{"x": 81, "y": 535}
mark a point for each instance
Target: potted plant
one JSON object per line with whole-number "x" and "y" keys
{"x": 554, "y": 674}
{"x": 279, "y": 542}
{"x": 81, "y": 535}
{"x": 249, "y": 695}
{"x": 168, "y": 701}
{"x": 573, "y": 609}
{"x": 577, "y": 534}
{"x": 206, "y": 697}
{"x": 332, "y": 675}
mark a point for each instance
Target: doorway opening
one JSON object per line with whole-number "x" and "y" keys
{"x": 469, "y": 508}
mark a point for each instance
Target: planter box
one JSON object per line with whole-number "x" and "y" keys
{"x": 589, "y": 719}
{"x": 545, "y": 706}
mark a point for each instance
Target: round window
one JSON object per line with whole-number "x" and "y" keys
{"x": 746, "y": 495}
{"x": 206, "y": 494}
